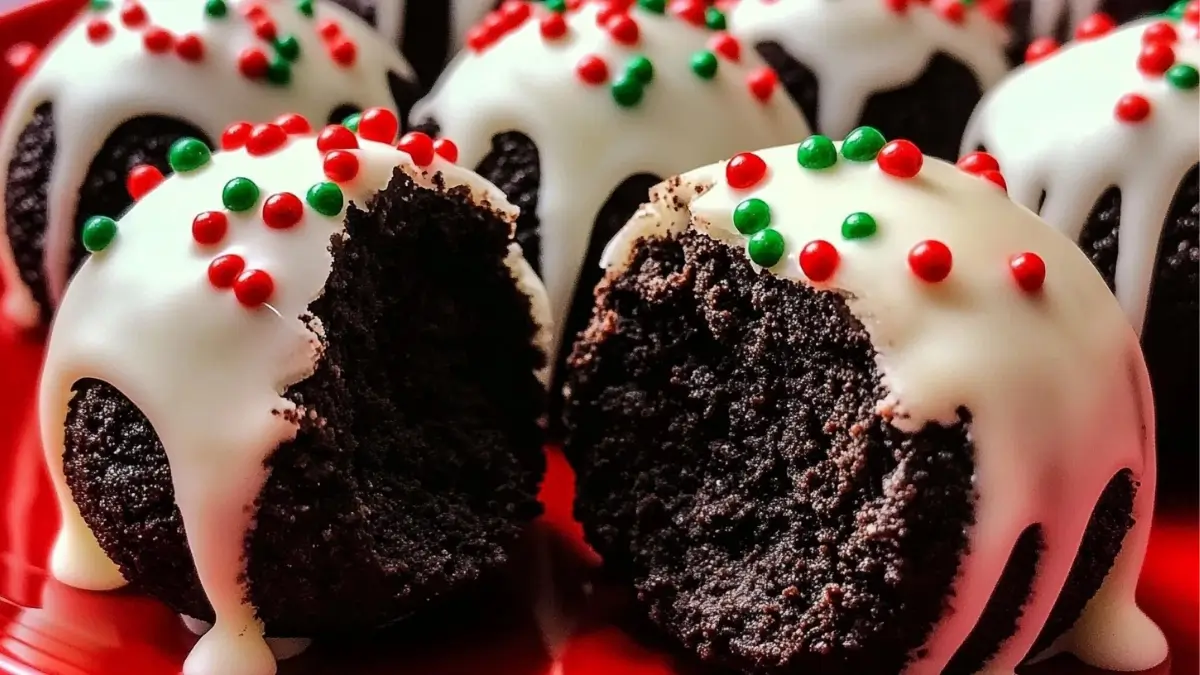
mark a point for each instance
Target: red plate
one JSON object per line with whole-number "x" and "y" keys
{"x": 555, "y": 618}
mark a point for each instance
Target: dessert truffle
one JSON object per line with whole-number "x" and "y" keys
{"x": 913, "y": 70}
{"x": 844, "y": 409}
{"x": 1102, "y": 137}
{"x": 296, "y": 389}
{"x": 127, "y": 79}
{"x": 576, "y": 111}
{"x": 1048, "y": 22}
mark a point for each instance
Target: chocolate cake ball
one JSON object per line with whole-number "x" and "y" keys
{"x": 127, "y": 79}
{"x": 842, "y": 408}
{"x": 576, "y": 113}
{"x": 296, "y": 389}
{"x": 1102, "y": 138}
{"x": 1048, "y": 22}
{"x": 913, "y": 70}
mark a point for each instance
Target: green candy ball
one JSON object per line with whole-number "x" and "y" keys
{"x": 641, "y": 69}
{"x": 98, "y": 233}
{"x": 766, "y": 248}
{"x": 326, "y": 199}
{"x": 240, "y": 194}
{"x": 816, "y": 152}
{"x": 1183, "y": 76}
{"x": 216, "y": 9}
{"x": 858, "y": 226}
{"x": 627, "y": 91}
{"x": 751, "y": 216}
{"x": 656, "y": 6}
{"x": 862, "y": 144}
{"x": 704, "y": 65}
{"x": 188, "y": 154}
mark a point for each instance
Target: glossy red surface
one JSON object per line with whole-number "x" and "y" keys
{"x": 47, "y": 628}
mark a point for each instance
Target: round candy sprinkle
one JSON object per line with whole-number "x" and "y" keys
{"x": 190, "y": 48}
{"x": 1029, "y": 271}
{"x": 98, "y": 30}
{"x": 766, "y": 248}
{"x": 515, "y": 13}
{"x": 900, "y": 158}
{"x": 293, "y": 123}
{"x": 608, "y": 10}
{"x": 623, "y": 29}
{"x": 336, "y": 137}
{"x": 340, "y": 166}
{"x": 209, "y": 228}
{"x": 996, "y": 178}
{"x": 240, "y": 194}
{"x": 592, "y": 69}
{"x": 446, "y": 149}
{"x": 714, "y": 19}
{"x": 556, "y": 6}
{"x": 328, "y": 29}
{"x": 930, "y": 260}
{"x": 950, "y": 10}
{"x": 133, "y": 14}
{"x": 859, "y": 226}
{"x": 762, "y": 83}
{"x": 344, "y": 52}
{"x": 216, "y": 9}
{"x": 819, "y": 260}
{"x": 21, "y": 57}
{"x": 158, "y": 40}
{"x": 254, "y": 11}
{"x": 1183, "y": 76}
{"x": 305, "y": 7}
{"x": 691, "y": 11}
{"x": 745, "y": 170}
{"x": 1040, "y": 49}
{"x": 100, "y": 5}
{"x": 627, "y": 90}
{"x": 751, "y": 216}
{"x": 188, "y": 154}
{"x": 352, "y": 121}
{"x": 253, "y": 288}
{"x": 726, "y": 45}
{"x": 224, "y": 270}
{"x": 978, "y": 162}
{"x": 816, "y": 152}
{"x": 1132, "y": 108}
{"x": 897, "y": 6}
{"x": 379, "y": 124}
{"x": 1155, "y": 58}
{"x": 1161, "y": 31}
{"x": 253, "y": 63}
{"x": 655, "y": 6}
{"x": 641, "y": 69}
{"x": 419, "y": 146}
{"x": 1177, "y": 10}
{"x": 704, "y": 64}
{"x": 279, "y": 71}
{"x": 98, "y": 233}
{"x": 141, "y": 180}
{"x": 282, "y": 211}
{"x": 266, "y": 29}
{"x": 862, "y": 144}
{"x": 288, "y": 47}
{"x": 1094, "y": 26}
{"x": 235, "y": 135}
{"x": 326, "y": 199}
{"x": 265, "y": 139}
{"x": 552, "y": 26}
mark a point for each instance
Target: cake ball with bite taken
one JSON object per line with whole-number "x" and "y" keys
{"x": 127, "y": 79}
{"x": 913, "y": 70}
{"x": 296, "y": 389}
{"x": 1045, "y": 22}
{"x": 1102, "y": 137}
{"x": 576, "y": 109}
{"x": 843, "y": 408}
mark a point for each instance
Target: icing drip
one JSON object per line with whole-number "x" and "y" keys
{"x": 857, "y": 48}
{"x": 95, "y": 87}
{"x": 526, "y": 80}
{"x": 1053, "y": 128}
{"x": 218, "y": 409}
{"x": 958, "y": 323}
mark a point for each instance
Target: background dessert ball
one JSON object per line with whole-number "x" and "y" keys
{"x": 127, "y": 79}
{"x": 913, "y": 70}
{"x": 326, "y": 336}
{"x": 1101, "y": 138}
{"x": 820, "y": 404}
{"x": 1059, "y": 20}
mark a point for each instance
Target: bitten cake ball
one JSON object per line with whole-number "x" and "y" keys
{"x": 129, "y": 78}
{"x": 1040, "y": 24}
{"x": 296, "y": 390}
{"x": 576, "y": 110}
{"x": 913, "y": 70}
{"x": 842, "y": 408}
{"x": 1103, "y": 138}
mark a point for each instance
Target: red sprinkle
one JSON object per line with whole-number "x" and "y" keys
{"x": 950, "y": 10}
{"x": 1040, "y": 49}
{"x": 726, "y": 45}
{"x": 996, "y": 10}
{"x": 21, "y": 57}
{"x": 141, "y": 180}
{"x": 253, "y": 63}
{"x": 223, "y": 271}
{"x": 930, "y": 260}
{"x": 478, "y": 38}
{"x": 336, "y": 137}
{"x": 1094, "y": 26}
{"x": 897, "y": 6}
{"x": 978, "y": 162}
{"x": 344, "y": 52}
{"x": 609, "y": 10}
{"x": 158, "y": 40}
{"x": 691, "y": 11}
{"x": 254, "y": 11}
{"x": 341, "y": 166}
{"x": 99, "y": 30}
{"x": 1191, "y": 12}
{"x": 1029, "y": 270}
{"x": 446, "y": 149}
{"x": 236, "y": 135}
{"x": 1162, "y": 31}
{"x": 996, "y": 178}
{"x": 265, "y": 29}
{"x": 1132, "y": 108}
{"x": 819, "y": 260}
{"x": 190, "y": 47}
{"x": 623, "y": 29}
{"x": 253, "y": 288}
{"x": 329, "y": 29}
{"x": 515, "y": 13}
{"x": 419, "y": 146}
{"x": 379, "y": 125}
{"x": 133, "y": 14}
{"x": 592, "y": 69}
{"x": 294, "y": 123}
{"x": 900, "y": 158}
{"x": 762, "y": 83}
{"x": 282, "y": 211}
{"x": 265, "y": 139}
{"x": 208, "y": 229}
{"x": 1155, "y": 58}
{"x": 745, "y": 170}
{"x": 553, "y": 26}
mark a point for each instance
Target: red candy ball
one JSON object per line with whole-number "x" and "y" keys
{"x": 1191, "y": 13}
{"x": 379, "y": 124}
{"x": 951, "y": 10}
{"x": 1132, "y": 108}
{"x": 223, "y": 271}
{"x": 514, "y": 13}
{"x": 623, "y": 29}
{"x": 726, "y": 45}
{"x": 996, "y": 178}
{"x": 293, "y": 123}
{"x": 1040, "y": 49}
{"x": 336, "y": 137}
{"x": 897, "y": 6}
{"x": 552, "y": 26}
{"x": 141, "y": 180}
{"x": 1029, "y": 271}
{"x": 900, "y": 158}
{"x": 328, "y": 29}
{"x": 819, "y": 260}
{"x": 1155, "y": 58}
{"x": 265, "y": 139}
{"x": 253, "y": 63}
{"x": 133, "y": 14}
{"x": 208, "y": 229}
{"x": 253, "y": 288}
{"x": 446, "y": 149}
{"x": 265, "y": 29}
{"x": 98, "y": 30}
{"x": 282, "y": 211}
{"x": 158, "y": 40}
{"x": 930, "y": 260}
{"x": 1094, "y": 26}
{"x": 592, "y": 69}
{"x": 1162, "y": 31}
{"x": 344, "y": 52}
{"x": 978, "y": 162}
{"x": 762, "y": 83}
{"x": 691, "y": 11}
{"x": 341, "y": 166}
{"x": 190, "y": 47}
{"x": 236, "y": 135}
{"x": 21, "y": 57}
{"x": 745, "y": 170}
{"x": 254, "y": 11}
{"x": 419, "y": 146}
{"x": 478, "y": 38}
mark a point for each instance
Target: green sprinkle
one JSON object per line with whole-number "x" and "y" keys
{"x": 1177, "y": 10}
{"x": 305, "y": 7}
{"x": 216, "y": 9}
{"x": 325, "y": 198}
{"x": 704, "y": 64}
{"x": 862, "y": 144}
{"x": 288, "y": 47}
{"x": 558, "y": 6}
{"x": 656, "y": 6}
{"x": 858, "y": 226}
{"x": 98, "y": 233}
{"x": 816, "y": 152}
{"x": 188, "y": 154}
{"x": 1183, "y": 76}
{"x": 641, "y": 69}
{"x": 240, "y": 194}
{"x": 102, "y": 5}
{"x": 352, "y": 121}
{"x": 714, "y": 19}
{"x": 627, "y": 90}
{"x": 280, "y": 71}
{"x": 751, "y": 216}
{"x": 766, "y": 248}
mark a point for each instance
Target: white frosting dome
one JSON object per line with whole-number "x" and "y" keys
{"x": 1054, "y": 127}
{"x": 100, "y": 73}
{"x": 857, "y": 48}
{"x": 206, "y": 361}
{"x": 527, "y": 80}
{"x": 1046, "y": 365}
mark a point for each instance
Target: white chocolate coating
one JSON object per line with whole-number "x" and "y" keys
{"x": 1053, "y": 129}
{"x": 208, "y": 372}
{"x": 97, "y": 87}
{"x": 587, "y": 143}
{"x": 857, "y": 48}
{"x": 1054, "y": 379}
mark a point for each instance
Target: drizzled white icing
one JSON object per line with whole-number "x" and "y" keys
{"x": 1053, "y": 129}
{"x": 587, "y": 143}
{"x": 1053, "y": 379}
{"x": 206, "y": 371}
{"x": 857, "y": 48}
{"x": 96, "y": 87}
